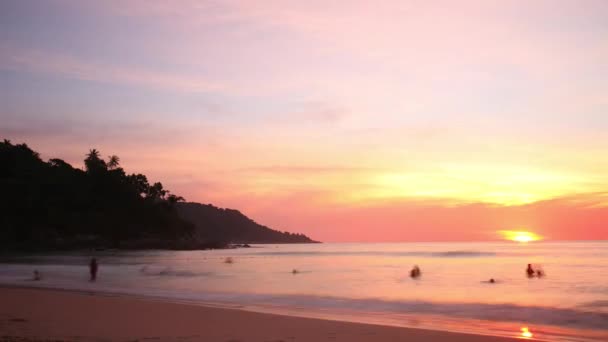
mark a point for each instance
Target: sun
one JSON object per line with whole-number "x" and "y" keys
{"x": 519, "y": 236}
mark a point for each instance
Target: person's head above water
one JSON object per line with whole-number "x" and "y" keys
{"x": 415, "y": 272}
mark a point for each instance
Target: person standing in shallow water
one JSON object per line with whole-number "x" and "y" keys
{"x": 93, "y": 269}
{"x": 530, "y": 271}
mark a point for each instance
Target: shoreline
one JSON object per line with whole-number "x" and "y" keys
{"x": 30, "y": 313}
{"x": 405, "y": 320}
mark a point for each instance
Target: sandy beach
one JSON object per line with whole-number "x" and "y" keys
{"x": 52, "y": 315}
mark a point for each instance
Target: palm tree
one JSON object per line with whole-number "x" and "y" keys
{"x": 93, "y": 154}
{"x": 93, "y": 163}
{"x": 113, "y": 162}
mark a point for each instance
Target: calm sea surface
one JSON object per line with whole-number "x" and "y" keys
{"x": 364, "y": 283}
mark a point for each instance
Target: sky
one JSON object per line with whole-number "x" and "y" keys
{"x": 344, "y": 120}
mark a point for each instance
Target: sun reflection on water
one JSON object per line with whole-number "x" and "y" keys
{"x": 525, "y": 333}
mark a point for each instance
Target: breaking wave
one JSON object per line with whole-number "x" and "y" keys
{"x": 446, "y": 254}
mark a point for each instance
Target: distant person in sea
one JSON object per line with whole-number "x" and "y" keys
{"x": 37, "y": 275}
{"x": 540, "y": 273}
{"x": 93, "y": 269}
{"x": 530, "y": 271}
{"x": 415, "y": 272}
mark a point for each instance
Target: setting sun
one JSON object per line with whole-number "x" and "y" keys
{"x": 519, "y": 236}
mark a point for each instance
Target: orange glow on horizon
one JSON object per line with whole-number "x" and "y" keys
{"x": 520, "y": 236}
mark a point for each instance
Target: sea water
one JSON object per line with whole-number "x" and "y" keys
{"x": 363, "y": 282}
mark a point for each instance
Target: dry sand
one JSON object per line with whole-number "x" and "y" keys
{"x": 52, "y": 315}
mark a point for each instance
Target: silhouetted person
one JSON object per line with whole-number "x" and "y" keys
{"x": 492, "y": 280}
{"x": 415, "y": 272}
{"x": 530, "y": 271}
{"x": 37, "y": 275}
{"x": 540, "y": 273}
{"x": 93, "y": 269}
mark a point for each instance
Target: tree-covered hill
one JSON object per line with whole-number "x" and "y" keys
{"x": 48, "y": 205}
{"x": 217, "y": 224}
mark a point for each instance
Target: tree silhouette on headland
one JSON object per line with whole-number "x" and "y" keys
{"x": 52, "y": 205}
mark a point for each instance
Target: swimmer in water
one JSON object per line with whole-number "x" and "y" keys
{"x": 530, "y": 271}
{"x": 415, "y": 272}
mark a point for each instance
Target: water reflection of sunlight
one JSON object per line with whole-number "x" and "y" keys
{"x": 525, "y": 333}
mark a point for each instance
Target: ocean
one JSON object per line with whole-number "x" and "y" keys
{"x": 362, "y": 282}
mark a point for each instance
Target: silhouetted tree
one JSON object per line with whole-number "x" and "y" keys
{"x": 156, "y": 191}
{"x": 173, "y": 199}
{"x": 113, "y": 162}
{"x": 94, "y": 163}
{"x": 53, "y": 205}
{"x": 139, "y": 183}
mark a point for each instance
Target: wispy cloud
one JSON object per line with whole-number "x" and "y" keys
{"x": 69, "y": 66}
{"x": 303, "y": 170}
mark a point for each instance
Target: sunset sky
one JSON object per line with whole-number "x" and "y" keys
{"x": 344, "y": 120}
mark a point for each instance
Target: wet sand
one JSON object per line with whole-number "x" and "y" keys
{"x": 54, "y": 315}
